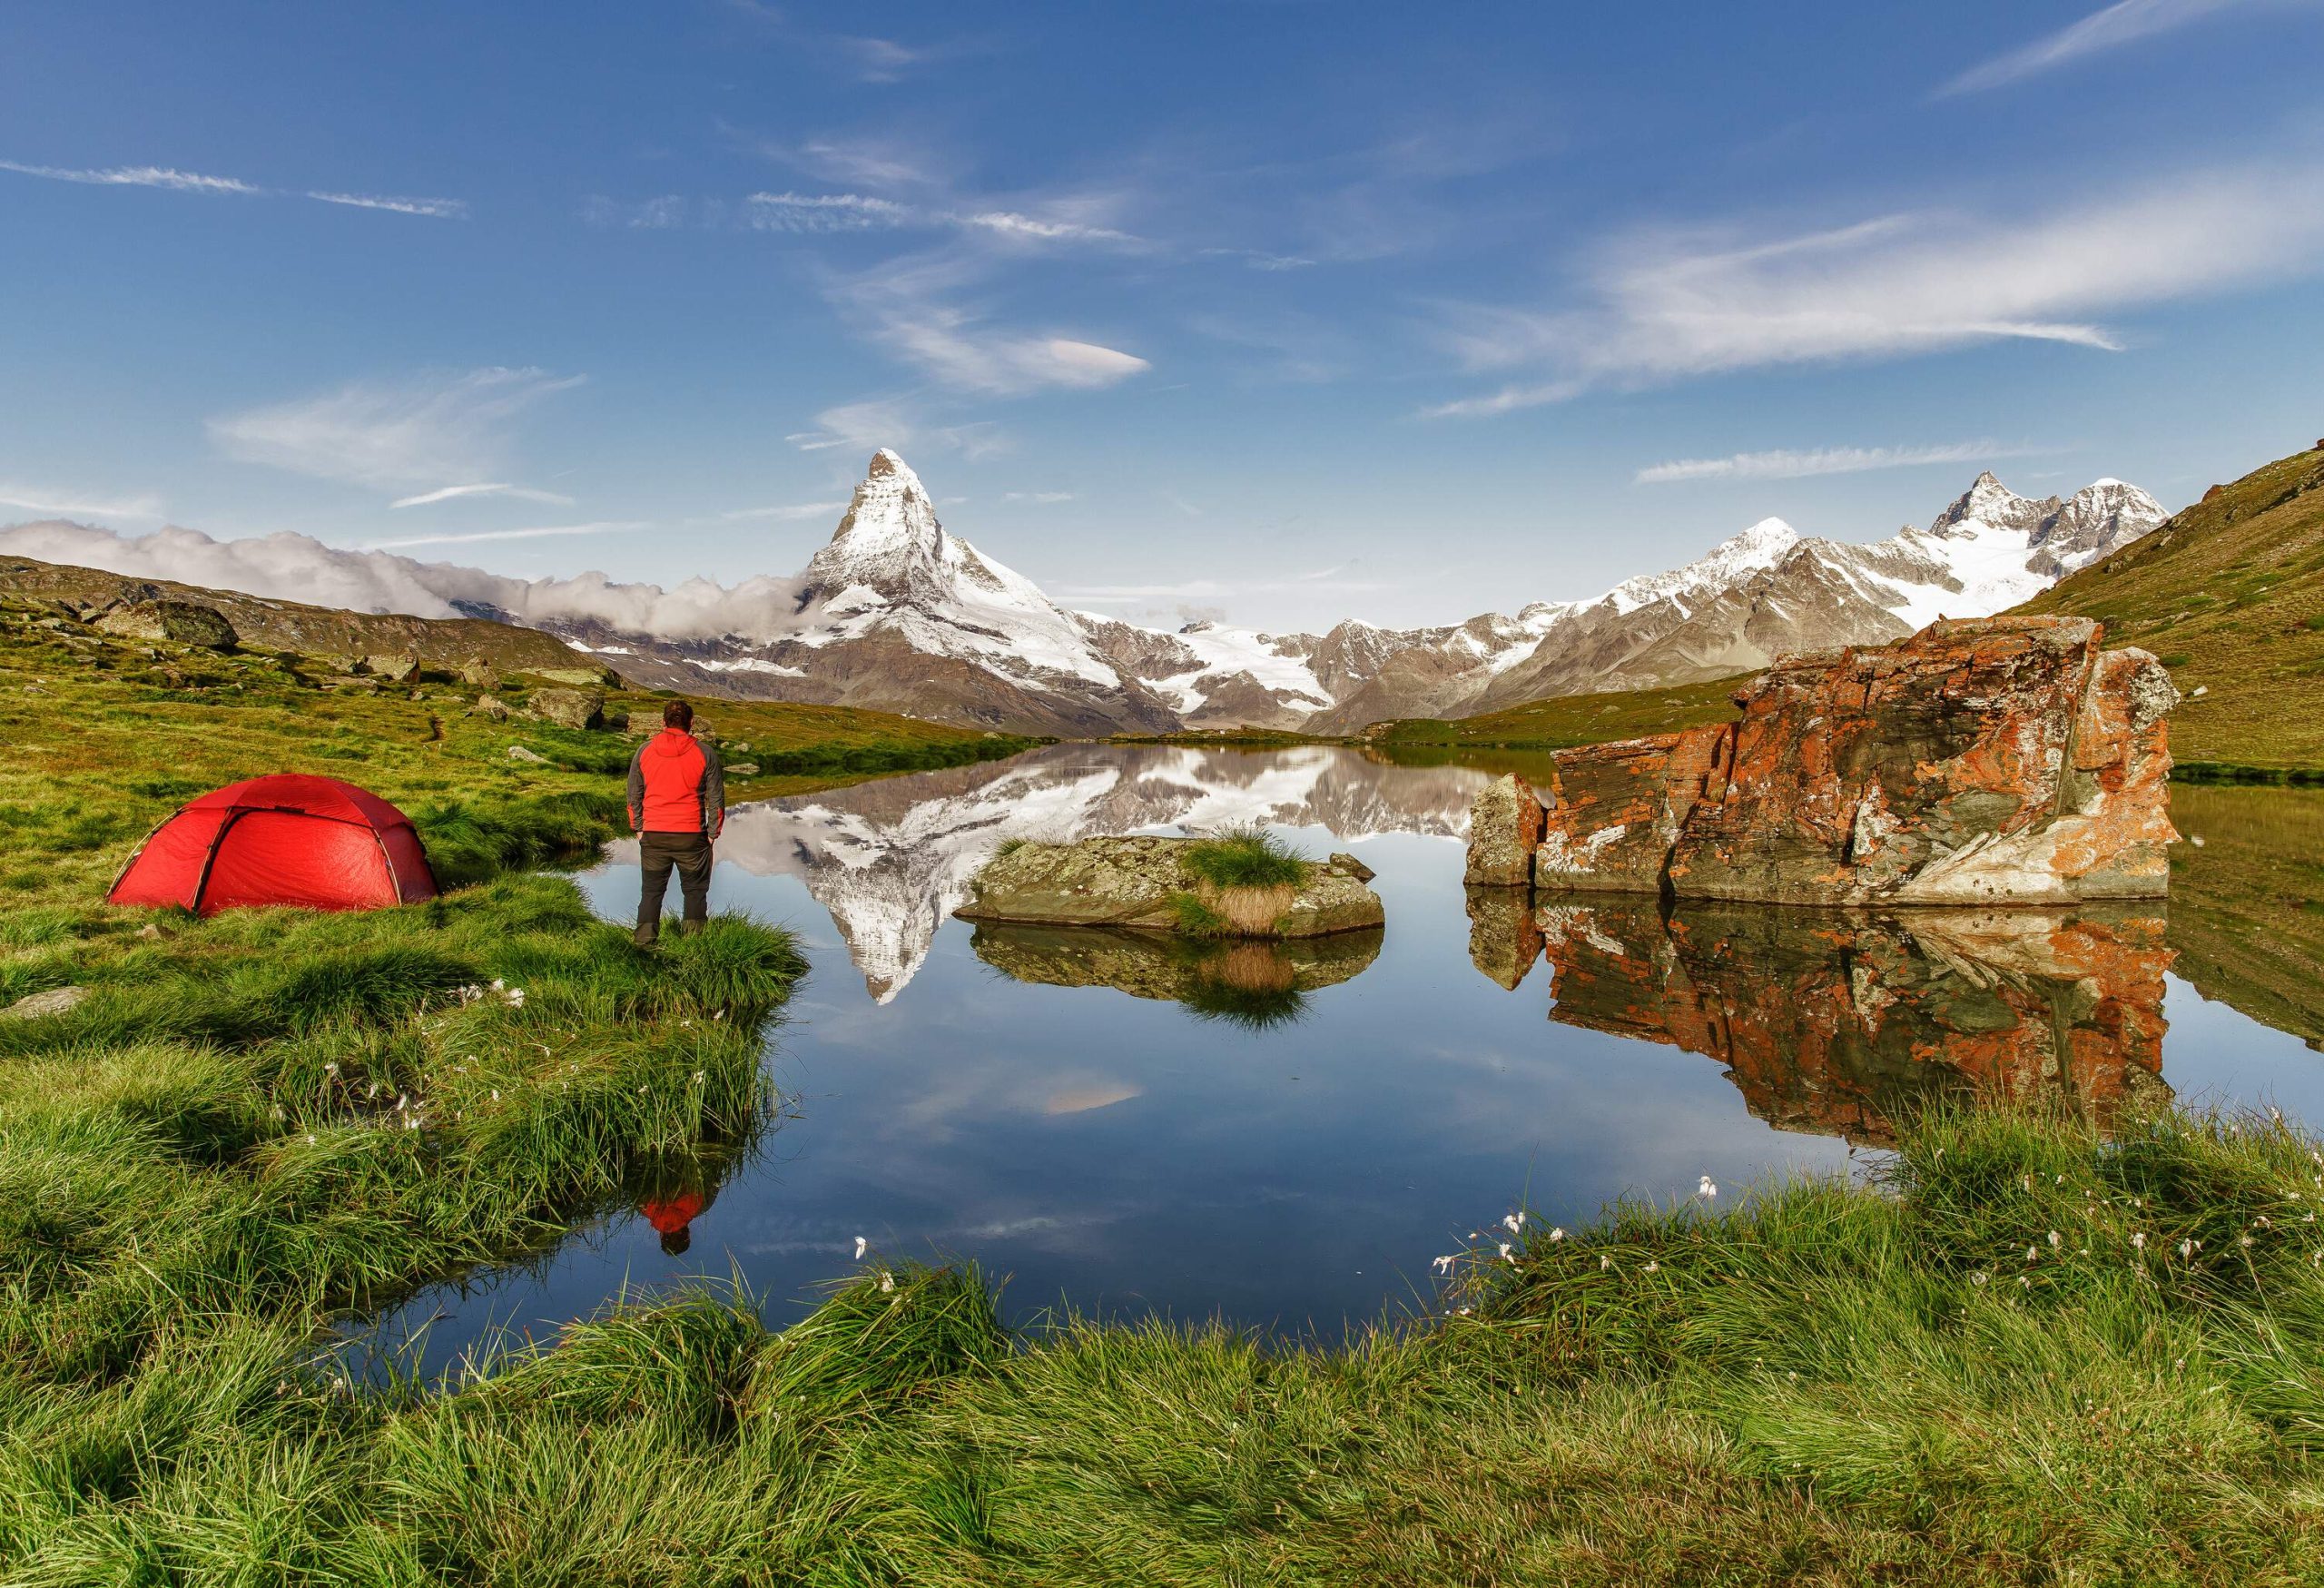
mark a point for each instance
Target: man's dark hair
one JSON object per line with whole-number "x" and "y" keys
{"x": 677, "y": 714}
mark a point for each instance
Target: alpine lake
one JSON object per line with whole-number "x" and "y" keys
{"x": 1287, "y": 1135}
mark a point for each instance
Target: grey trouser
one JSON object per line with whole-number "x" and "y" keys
{"x": 657, "y": 854}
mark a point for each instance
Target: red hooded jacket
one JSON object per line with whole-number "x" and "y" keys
{"x": 677, "y": 786}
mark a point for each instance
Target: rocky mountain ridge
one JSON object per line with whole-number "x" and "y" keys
{"x": 897, "y": 614}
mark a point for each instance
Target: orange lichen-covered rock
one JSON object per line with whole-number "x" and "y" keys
{"x": 1844, "y": 1021}
{"x": 2003, "y": 760}
{"x": 1612, "y": 812}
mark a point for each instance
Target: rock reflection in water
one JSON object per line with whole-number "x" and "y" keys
{"x": 1247, "y": 983}
{"x": 1844, "y": 1023}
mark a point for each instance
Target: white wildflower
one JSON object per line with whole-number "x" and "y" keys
{"x": 2056, "y": 1240}
{"x": 1557, "y": 1232}
{"x": 1605, "y": 1262}
{"x": 2186, "y": 1249}
{"x": 2139, "y": 1240}
{"x": 1653, "y": 1267}
{"x": 2031, "y": 1252}
{"x": 1979, "y": 1278}
{"x": 1505, "y": 1250}
{"x": 862, "y": 1246}
{"x": 1514, "y": 1222}
{"x": 1707, "y": 1187}
{"x": 1443, "y": 1265}
{"x": 887, "y": 1281}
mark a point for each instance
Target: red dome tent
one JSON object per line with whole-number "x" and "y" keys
{"x": 288, "y": 839}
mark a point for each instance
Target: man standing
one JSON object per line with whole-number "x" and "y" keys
{"x": 677, "y": 804}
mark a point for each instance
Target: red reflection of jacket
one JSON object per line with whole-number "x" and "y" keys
{"x": 668, "y": 1215}
{"x": 676, "y": 785}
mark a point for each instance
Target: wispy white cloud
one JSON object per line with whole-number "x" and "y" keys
{"x": 2108, "y": 28}
{"x": 1071, "y": 220}
{"x": 1010, "y": 224}
{"x": 1038, "y": 497}
{"x": 188, "y": 182}
{"x": 789, "y": 513}
{"x": 453, "y": 492}
{"x": 416, "y": 432}
{"x": 1665, "y": 306}
{"x": 162, "y": 176}
{"x": 864, "y": 426}
{"x": 73, "y": 504}
{"x": 540, "y": 532}
{"x": 790, "y": 212}
{"x": 1786, "y": 463}
{"x": 441, "y": 209}
{"x": 911, "y": 308}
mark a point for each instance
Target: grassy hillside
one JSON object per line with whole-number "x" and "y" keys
{"x": 2230, "y": 595}
{"x": 1570, "y": 719}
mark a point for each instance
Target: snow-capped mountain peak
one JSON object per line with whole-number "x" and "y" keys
{"x": 1744, "y": 553}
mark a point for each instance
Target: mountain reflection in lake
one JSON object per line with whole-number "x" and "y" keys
{"x": 1284, "y": 1135}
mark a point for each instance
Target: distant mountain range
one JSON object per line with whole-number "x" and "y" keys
{"x": 898, "y": 614}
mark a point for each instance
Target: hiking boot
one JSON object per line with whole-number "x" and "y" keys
{"x": 688, "y": 928}
{"x": 645, "y": 937}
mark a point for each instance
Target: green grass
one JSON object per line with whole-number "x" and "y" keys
{"x": 1247, "y": 857}
{"x": 2229, "y": 594}
{"x": 1831, "y": 1383}
{"x": 1195, "y": 918}
{"x": 1557, "y": 724}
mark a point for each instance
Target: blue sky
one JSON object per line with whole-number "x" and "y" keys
{"x": 1277, "y": 312}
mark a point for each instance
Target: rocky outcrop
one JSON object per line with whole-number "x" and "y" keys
{"x": 1142, "y": 881}
{"x": 181, "y": 623}
{"x": 1504, "y": 829}
{"x": 1999, "y": 761}
{"x": 1847, "y": 1023}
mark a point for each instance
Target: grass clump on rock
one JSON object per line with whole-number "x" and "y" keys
{"x": 1246, "y": 857}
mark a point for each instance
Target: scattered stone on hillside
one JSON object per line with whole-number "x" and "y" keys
{"x": 577, "y": 677}
{"x": 335, "y": 661}
{"x": 742, "y": 769}
{"x": 518, "y": 753}
{"x": 1353, "y": 866}
{"x": 477, "y": 671}
{"x": 184, "y": 623}
{"x": 1135, "y": 881}
{"x": 1994, "y": 761}
{"x": 570, "y": 708}
{"x": 491, "y": 707}
{"x": 391, "y": 670}
{"x": 55, "y": 1000}
{"x": 1504, "y": 829}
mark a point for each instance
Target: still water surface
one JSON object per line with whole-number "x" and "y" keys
{"x": 1286, "y": 1138}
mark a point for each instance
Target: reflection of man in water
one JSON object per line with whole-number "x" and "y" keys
{"x": 671, "y": 1215}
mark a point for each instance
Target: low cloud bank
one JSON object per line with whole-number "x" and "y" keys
{"x": 298, "y": 568}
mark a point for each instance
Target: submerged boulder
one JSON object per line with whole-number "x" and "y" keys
{"x": 1145, "y": 882}
{"x": 2004, "y": 760}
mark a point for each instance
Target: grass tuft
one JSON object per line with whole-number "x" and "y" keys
{"x": 1247, "y": 857}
